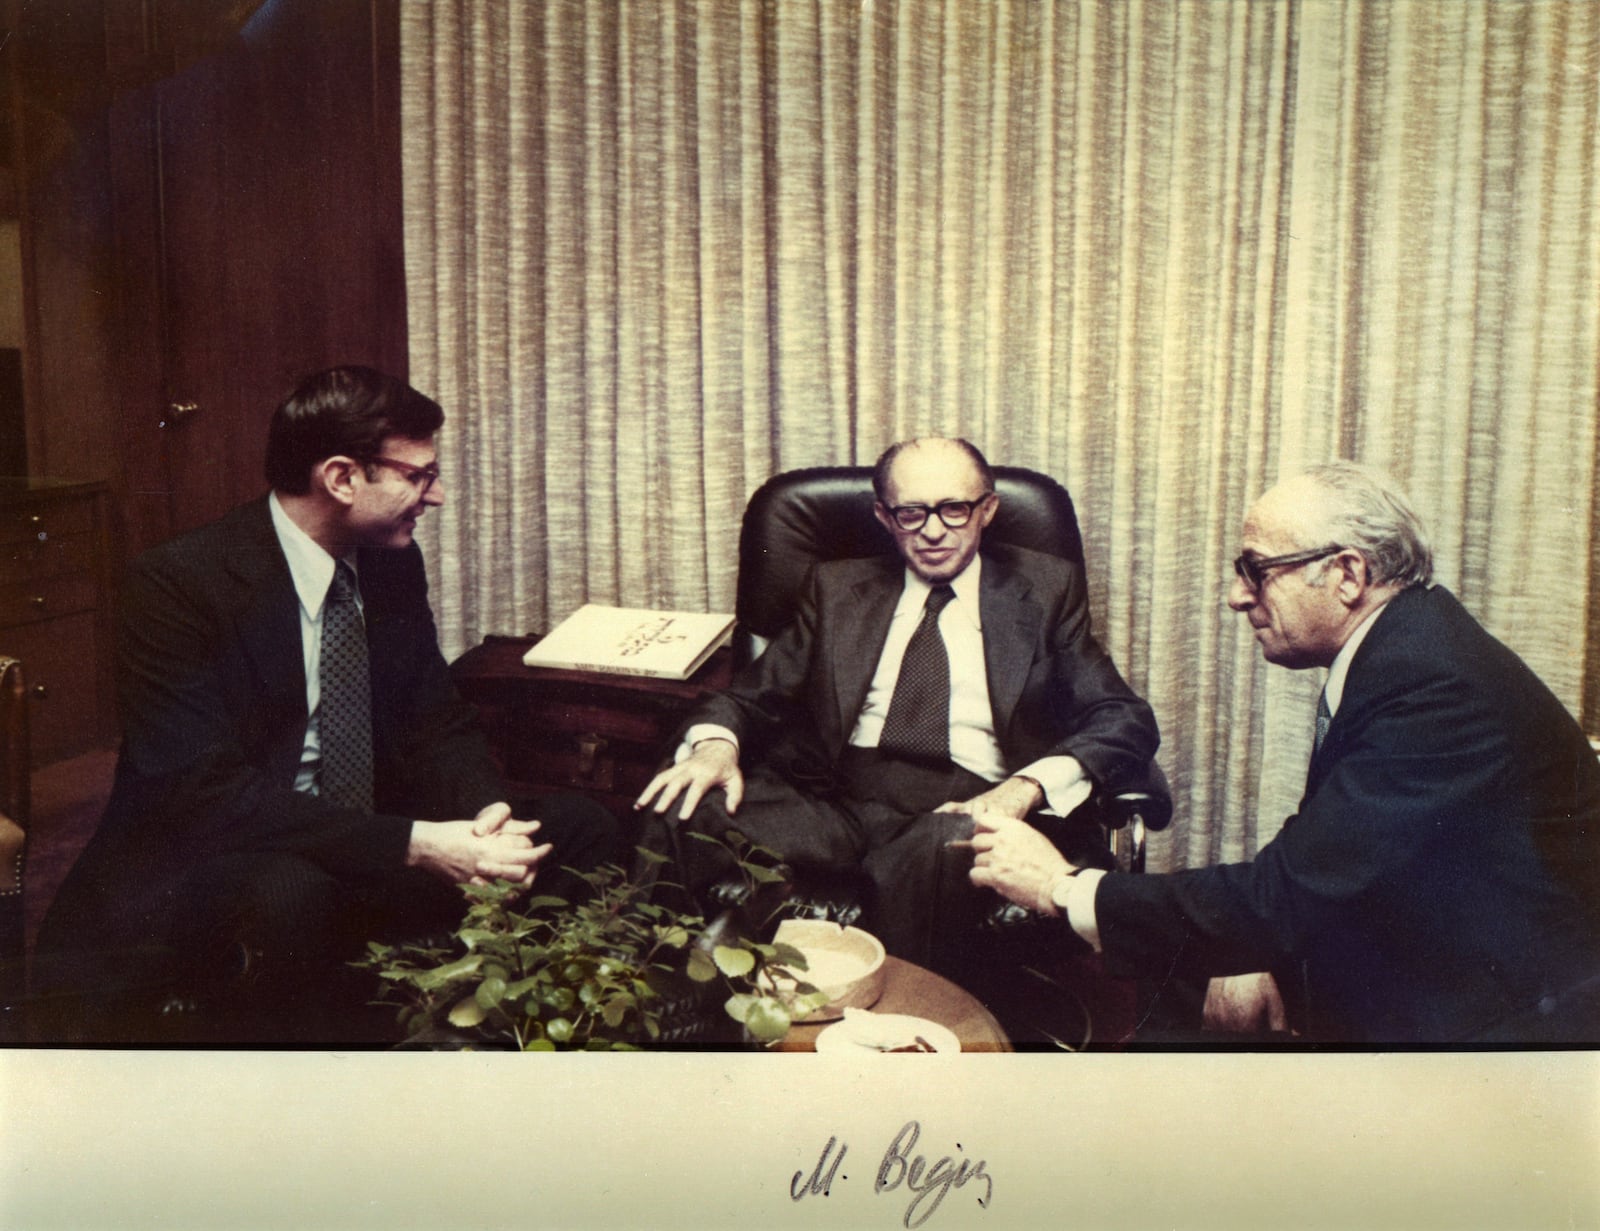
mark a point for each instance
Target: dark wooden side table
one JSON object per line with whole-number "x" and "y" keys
{"x": 600, "y": 734}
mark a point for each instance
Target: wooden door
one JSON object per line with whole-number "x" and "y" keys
{"x": 216, "y": 213}
{"x": 279, "y": 214}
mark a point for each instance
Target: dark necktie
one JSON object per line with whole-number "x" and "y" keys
{"x": 918, "y": 725}
{"x": 344, "y": 712}
{"x": 1324, "y": 720}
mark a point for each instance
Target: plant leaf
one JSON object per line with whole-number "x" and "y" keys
{"x": 764, "y": 876}
{"x": 733, "y": 962}
{"x": 467, "y": 1013}
{"x": 788, "y": 955}
{"x": 700, "y": 968}
{"x": 490, "y": 992}
{"x": 432, "y": 980}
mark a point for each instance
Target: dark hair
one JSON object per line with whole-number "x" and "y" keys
{"x": 880, "y": 471}
{"x": 345, "y": 410}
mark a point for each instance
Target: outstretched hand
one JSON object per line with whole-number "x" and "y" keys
{"x": 713, "y": 763}
{"x": 1017, "y": 861}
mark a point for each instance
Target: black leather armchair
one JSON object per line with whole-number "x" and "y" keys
{"x": 803, "y": 517}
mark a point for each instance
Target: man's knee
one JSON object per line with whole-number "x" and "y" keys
{"x": 276, "y": 904}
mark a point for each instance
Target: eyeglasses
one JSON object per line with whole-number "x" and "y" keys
{"x": 953, "y": 513}
{"x": 421, "y": 477}
{"x": 1253, "y": 571}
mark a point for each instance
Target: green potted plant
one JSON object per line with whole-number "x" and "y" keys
{"x": 612, "y": 972}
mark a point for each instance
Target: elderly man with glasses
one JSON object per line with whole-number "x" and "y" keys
{"x": 1440, "y": 882}
{"x": 910, "y": 694}
{"x": 297, "y": 774}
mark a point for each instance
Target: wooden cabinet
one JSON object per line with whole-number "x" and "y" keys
{"x": 52, "y": 609}
{"x": 598, "y": 734}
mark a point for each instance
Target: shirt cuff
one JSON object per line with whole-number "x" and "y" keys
{"x": 1066, "y": 787}
{"x": 1080, "y": 905}
{"x": 698, "y": 732}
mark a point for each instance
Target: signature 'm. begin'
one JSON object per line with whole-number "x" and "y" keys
{"x": 928, "y": 1184}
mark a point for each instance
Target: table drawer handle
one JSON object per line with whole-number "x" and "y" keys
{"x": 589, "y": 749}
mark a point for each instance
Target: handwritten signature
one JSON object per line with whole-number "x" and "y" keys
{"x": 652, "y": 632}
{"x": 929, "y": 1184}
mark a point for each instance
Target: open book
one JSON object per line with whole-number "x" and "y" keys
{"x": 669, "y": 645}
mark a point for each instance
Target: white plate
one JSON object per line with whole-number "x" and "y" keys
{"x": 862, "y": 1031}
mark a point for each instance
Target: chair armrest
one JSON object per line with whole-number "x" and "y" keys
{"x": 1148, "y": 799}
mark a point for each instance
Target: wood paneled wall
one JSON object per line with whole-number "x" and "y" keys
{"x": 210, "y": 204}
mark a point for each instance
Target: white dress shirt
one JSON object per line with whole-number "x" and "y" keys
{"x": 312, "y": 569}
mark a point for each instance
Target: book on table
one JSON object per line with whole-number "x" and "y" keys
{"x": 667, "y": 645}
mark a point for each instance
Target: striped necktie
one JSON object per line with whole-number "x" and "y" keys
{"x": 1324, "y": 720}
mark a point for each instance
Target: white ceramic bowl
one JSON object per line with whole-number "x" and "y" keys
{"x": 846, "y": 964}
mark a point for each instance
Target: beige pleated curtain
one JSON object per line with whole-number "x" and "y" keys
{"x": 1164, "y": 251}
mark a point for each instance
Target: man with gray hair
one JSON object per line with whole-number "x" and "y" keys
{"x": 1440, "y": 882}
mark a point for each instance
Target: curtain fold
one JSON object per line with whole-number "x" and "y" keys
{"x": 1163, "y": 250}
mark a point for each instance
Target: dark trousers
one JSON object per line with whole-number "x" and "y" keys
{"x": 263, "y": 940}
{"x": 876, "y": 816}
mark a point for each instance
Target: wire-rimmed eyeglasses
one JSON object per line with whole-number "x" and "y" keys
{"x": 421, "y": 477}
{"x": 953, "y": 513}
{"x": 1253, "y": 570}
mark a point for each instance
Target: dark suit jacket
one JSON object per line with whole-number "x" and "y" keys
{"x": 1441, "y": 875}
{"x": 212, "y": 694}
{"x": 1052, "y": 689}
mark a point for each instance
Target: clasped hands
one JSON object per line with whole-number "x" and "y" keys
{"x": 492, "y": 846}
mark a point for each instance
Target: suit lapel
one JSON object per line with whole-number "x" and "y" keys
{"x": 1356, "y": 686}
{"x": 268, "y": 608}
{"x": 1011, "y": 621}
{"x": 863, "y": 628}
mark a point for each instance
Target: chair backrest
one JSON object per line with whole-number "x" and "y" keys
{"x": 803, "y": 517}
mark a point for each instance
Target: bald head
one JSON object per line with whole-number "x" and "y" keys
{"x": 944, "y": 481}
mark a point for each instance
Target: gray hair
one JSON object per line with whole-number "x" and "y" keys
{"x": 1367, "y": 510}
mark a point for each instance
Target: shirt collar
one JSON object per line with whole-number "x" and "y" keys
{"x": 966, "y": 585}
{"x": 1333, "y": 690}
{"x": 309, "y": 563}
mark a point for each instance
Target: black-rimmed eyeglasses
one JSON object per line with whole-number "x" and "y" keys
{"x": 1252, "y": 570}
{"x": 953, "y": 513}
{"x": 421, "y": 477}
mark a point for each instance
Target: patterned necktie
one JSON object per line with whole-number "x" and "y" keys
{"x": 344, "y": 712}
{"x": 918, "y": 725}
{"x": 1324, "y": 720}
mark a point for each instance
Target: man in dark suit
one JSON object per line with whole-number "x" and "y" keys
{"x": 1441, "y": 880}
{"x": 297, "y": 774}
{"x": 907, "y": 696}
